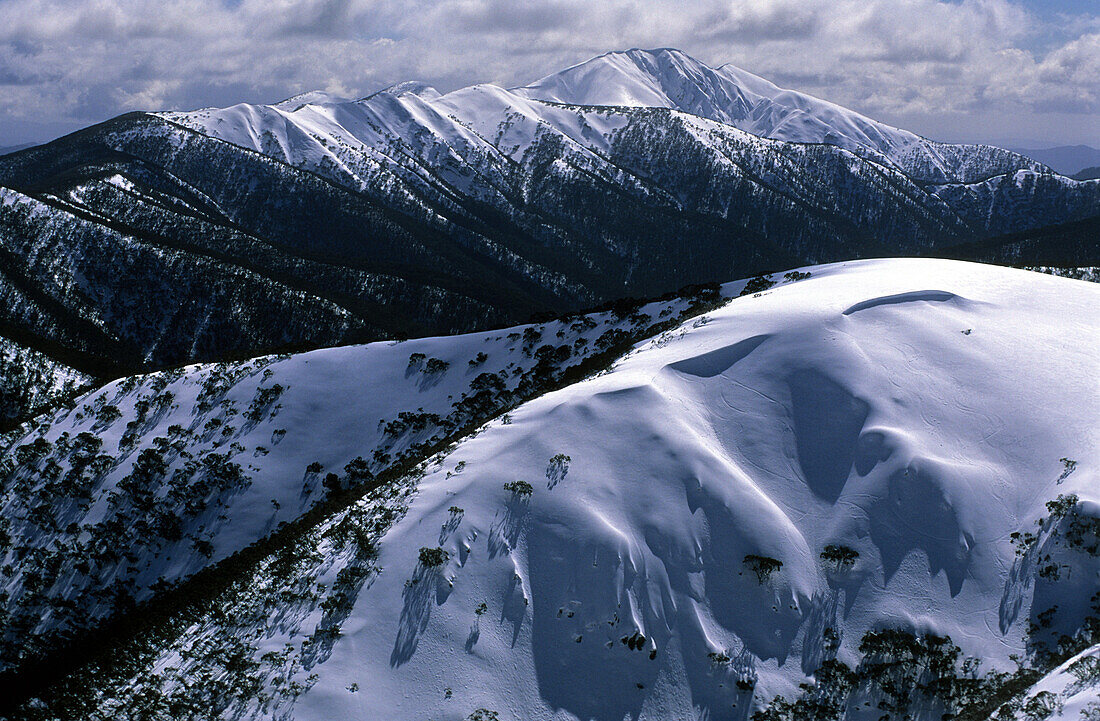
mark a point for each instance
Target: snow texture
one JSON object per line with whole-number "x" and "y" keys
{"x": 913, "y": 410}
{"x": 916, "y": 411}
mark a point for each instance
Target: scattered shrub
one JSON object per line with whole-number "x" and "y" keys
{"x": 531, "y": 336}
{"x": 483, "y": 714}
{"x": 358, "y": 469}
{"x": 433, "y": 557}
{"x": 264, "y": 398}
{"x": 842, "y": 557}
{"x": 332, "y": 483}
{"x": 762, "y": 566}
{"x": 1086, "y": 669}
{"x": 522, "y": 489}
{"x": 757, "y": 285}
{"x": 435, "y": 365}
{"x": 1042, "y": 706}
{"x": 108, "y": 414}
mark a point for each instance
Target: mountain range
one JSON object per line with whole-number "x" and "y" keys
{"x": 162, "y": 238}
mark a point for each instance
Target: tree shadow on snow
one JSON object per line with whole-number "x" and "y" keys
{"x": 416, "y": 611}
{"x": 506, "y": 529}
{"x": 824, "y": 617}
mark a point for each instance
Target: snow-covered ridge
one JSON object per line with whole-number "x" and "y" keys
{"x": 668, "y": 78}
{"x": 648, "y": 543}
{"x": 663, "y": 78}
{"x": 1070, "y": 692}
{"x": 151, "y": 478}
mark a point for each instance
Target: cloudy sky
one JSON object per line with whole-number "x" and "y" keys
{"x": 1008, "y": 71}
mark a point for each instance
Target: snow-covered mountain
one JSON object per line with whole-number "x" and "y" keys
{"x": 665, "y": 78}
{"x": 668, "y": 78}
{"x": 853, "y": 477}
{"x": 320, "y": 220}
{"x": 508, "y": 120}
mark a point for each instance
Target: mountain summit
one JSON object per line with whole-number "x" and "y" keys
{"x": 669, "y": 78}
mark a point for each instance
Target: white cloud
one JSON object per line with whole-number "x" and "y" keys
{"x": 947, "y": 65}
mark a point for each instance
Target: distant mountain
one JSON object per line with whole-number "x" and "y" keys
{"x": 1088, "y": 173}
{"x": 157, "y": 239}
{"x": 1066, "y": 159}
{"x": 668, "y": 78}
{"x": 5, "y": 149}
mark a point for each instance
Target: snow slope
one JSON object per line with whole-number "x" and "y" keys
{"x": 1071, "y": 691}
{"x": 151, "y": 478}
{"x": 912, "y": 410}
{"x": 917, "y": 412}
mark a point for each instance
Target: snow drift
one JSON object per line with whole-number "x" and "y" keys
{"x": 732, "y": 507}
{"x": 912, "y": 411}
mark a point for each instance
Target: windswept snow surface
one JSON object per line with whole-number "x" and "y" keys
{"x": 917, "y": 411}
{"x": 913, "y": 410}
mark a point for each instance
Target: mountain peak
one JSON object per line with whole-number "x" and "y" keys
{"x": 310, "y": 97}
{"x": 635, "y": 77}
{"x": 670, "y": 78}
{"x": 413, "y": 87}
